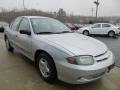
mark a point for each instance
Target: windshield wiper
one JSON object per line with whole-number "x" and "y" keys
{"x": 45, "y": 33}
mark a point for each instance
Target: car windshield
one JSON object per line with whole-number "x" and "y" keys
{"x": 48, "y": 26}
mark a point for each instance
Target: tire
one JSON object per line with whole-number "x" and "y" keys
{"x": 111, "y": 34}
{"x": 8, "y": 46}
{"x": 86, "y": 32}
{"x": 46, "y": 67}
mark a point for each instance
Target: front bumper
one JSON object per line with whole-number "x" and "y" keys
{"x": 75, "y": 74}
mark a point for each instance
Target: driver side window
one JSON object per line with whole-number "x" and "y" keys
{"x": 24, "y": 25}
{"x": 97, "y": 26}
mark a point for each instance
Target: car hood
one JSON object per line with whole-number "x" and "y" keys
{"x": 77, "y": 44}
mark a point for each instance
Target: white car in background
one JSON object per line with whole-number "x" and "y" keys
{"x": 101, "y": 29}
{"x": 3, "y": 25}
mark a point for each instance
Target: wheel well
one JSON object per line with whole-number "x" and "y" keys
{"x": 85, "y": 30}
{"x": 41, "y": 51}
{"x": 111, "y": 31}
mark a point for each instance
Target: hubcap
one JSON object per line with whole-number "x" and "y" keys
{"x": 85, "y": 33}
{"x": 111, "y": 34}
{"x": 44, "y": 68}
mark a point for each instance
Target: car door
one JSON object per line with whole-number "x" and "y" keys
{"x": 106, "y": 28}
{"x": 24, "y": 40}
{"x": 13, "y": 31}
{"x": 96, "y": 29}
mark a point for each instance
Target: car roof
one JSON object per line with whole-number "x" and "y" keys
{"x": 29, "y": 17}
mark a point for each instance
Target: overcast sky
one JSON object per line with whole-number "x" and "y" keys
{"x": 81, "y": 7}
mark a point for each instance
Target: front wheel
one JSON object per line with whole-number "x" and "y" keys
{"x": 46, "y": 67}
{"x": 111, "y": 34}
{"x": 86, "y": 32}
{"x": 8, "y": 46}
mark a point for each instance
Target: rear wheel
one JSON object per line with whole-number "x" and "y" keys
{"x": 8, "y": 46}
{"x": 46, "y": 67}
{"x": 111, "y": 34}
{"x": 86, "y": 32}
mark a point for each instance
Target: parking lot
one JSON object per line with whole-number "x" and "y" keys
{"x": 18, "y": 73}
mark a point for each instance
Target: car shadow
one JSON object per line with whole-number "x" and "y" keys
{"x": 92, "y": 85}
{"x": 104, "y": 36}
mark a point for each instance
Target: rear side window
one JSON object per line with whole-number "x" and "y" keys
{"x": 106, "y": 25}
{"x": 97, "y": 26}
{"x": 15, "y": 23}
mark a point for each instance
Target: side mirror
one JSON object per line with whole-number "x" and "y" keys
{"x": 25, "y": 32}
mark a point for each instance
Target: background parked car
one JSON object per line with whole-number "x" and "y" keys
{"x": 71, "y": 26}
{"x": 80, "y": 25}
{"x": 3, "y": 25}
{"x": 118, "y": 25}
{"x": 76, "y": 26}
{"x": 100, "y": 28}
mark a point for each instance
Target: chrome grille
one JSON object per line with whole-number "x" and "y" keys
{"x": 102, "y": 60}
{"x": 102, "y": 57}
{"x": 101, "y": 54}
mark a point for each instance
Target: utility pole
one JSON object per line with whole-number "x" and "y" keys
{"x": 24, "y": 5}
{"x": 92, "y": 12}
{"x": 97, "y": 4}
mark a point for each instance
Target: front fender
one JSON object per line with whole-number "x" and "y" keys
{"x": 55, "y": 51}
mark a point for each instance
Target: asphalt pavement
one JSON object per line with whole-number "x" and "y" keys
{"x": 1, "y": 35}
{"x": 114, "y": 45}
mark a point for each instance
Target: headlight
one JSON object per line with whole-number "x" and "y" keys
{"x": 81, "y": 60}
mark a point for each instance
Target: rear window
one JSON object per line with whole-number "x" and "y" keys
{"x": 106, "y": 25}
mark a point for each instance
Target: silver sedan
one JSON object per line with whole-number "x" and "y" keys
{"x": 57, "y": 52}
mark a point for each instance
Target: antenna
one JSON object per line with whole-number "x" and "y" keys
{"x": 92, "y": 12}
